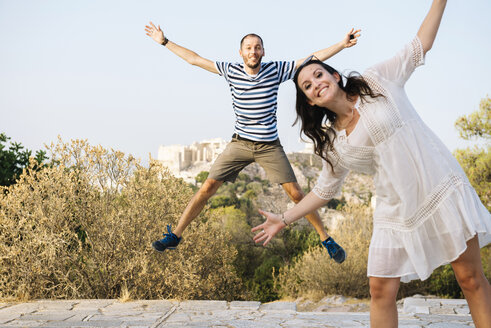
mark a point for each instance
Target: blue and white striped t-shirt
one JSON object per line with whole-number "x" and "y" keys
{"x": 255, "y": 98}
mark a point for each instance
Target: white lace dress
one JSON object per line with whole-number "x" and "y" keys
{"x": 426, "y": 208}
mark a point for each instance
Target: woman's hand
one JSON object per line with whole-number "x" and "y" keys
{"x": 351, "y": 38}
{"x": 269, "y": 228}
{"x": 155, "y": 33}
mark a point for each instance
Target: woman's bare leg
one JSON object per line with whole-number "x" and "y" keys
{"x": 477, "y": 291}
{"x": 383, "y": 307}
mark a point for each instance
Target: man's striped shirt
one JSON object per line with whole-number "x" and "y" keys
{"x": 255, "y": 98}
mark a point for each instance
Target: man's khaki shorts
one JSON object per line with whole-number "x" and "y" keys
{"x": 240, "y": 152}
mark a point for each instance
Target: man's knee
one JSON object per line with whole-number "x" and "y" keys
{"x": 295, "y": 192}
{"x": 209, "y": 187}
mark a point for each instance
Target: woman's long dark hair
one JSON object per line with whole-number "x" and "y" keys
{"x": 317, "y": 122}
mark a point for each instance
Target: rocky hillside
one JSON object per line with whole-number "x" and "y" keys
{"x": 357, "y": 189}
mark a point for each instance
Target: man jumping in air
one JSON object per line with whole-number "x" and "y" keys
{"x": 254, "y": 87}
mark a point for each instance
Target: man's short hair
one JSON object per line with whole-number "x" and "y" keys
{"x": 251, "y": 34}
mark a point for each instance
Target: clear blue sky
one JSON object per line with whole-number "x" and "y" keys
{"x": 86, "y": 69}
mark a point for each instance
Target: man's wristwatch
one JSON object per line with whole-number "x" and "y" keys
{"x": 165, "y": 41}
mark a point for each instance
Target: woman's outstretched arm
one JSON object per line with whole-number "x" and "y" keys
{"x": 275, "y": 222}
{"x": 429, "y": 27}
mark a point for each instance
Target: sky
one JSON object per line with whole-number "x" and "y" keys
{"x": 86, "y": 69}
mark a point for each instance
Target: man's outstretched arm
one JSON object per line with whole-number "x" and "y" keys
{"x": 190, "y": 56}
{"x": 349, "y": 40}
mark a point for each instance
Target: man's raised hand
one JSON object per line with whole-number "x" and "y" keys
{"x": 351, "y": 38}
{"x": 155, "y": 33}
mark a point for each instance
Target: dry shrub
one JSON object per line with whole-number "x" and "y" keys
{"x": 82, "y": 228}
{"x": 315, "y": 275}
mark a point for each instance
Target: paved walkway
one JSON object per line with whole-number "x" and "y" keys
{"x": 413, "y": 312}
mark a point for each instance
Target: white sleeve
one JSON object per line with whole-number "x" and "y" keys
{"x": 400, "y": 67}
{"x": 330, "y": 181}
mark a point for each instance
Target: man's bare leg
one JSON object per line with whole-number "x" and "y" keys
{"x": 196, "y": 204}
{"x": 336, "y": 252}
{"x": 296, "y": 194}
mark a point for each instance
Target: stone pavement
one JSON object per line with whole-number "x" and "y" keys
{"x": 413, "y": 312}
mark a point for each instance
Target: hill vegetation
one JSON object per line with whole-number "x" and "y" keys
{"x": 78, "y": 221}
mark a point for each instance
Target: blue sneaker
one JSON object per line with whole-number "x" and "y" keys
{"x": 170, "y": 241}
{"x": 335, "y": 251}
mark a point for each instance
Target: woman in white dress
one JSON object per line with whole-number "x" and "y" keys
{"x": 427, "y": 213}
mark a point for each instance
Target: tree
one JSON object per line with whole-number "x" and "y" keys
{"x": 477, "y": 124}
{"x": 476, "y": 161}
{"x": 13, "y": 159}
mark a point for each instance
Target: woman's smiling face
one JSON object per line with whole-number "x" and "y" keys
{"x": 319, "y": 86}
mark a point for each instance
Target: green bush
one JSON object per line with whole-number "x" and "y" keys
{"x": 262, "y": 284}
{"x": 221, "y": 201}
{"x": 202, "y": 176}
{"x": 443, "y": 283}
